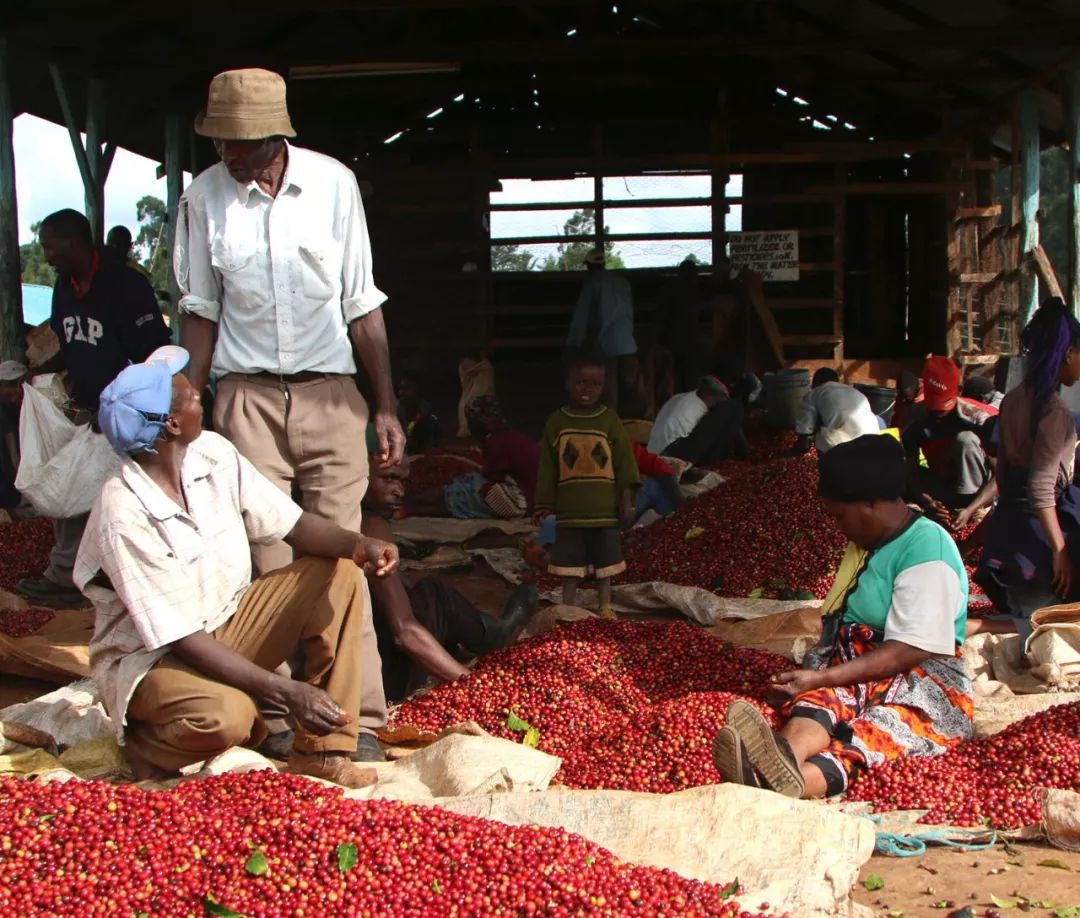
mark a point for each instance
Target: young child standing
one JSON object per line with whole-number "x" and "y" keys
{"x": 586, "y": 475}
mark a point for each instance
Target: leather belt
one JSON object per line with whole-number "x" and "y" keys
{"x": 306, "y": 376}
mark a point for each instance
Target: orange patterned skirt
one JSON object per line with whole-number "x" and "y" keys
{"x": 924, "y": 712}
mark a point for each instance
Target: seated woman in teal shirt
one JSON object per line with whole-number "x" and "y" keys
{"x": 886, "y": 679}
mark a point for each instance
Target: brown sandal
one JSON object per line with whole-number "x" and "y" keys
{"x": 769, "y": 754}
{"x": 729, "y": 756}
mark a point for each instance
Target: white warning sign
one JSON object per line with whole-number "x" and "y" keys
{"x": 774, "y": 254}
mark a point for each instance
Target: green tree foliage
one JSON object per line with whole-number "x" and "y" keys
{"x": 150, "y": 243}
{"x": 572, "y": 254}
{"x": 35, "y": 269}
{"x": 511, "y": 258}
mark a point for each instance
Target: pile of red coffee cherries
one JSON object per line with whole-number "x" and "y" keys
{"x": 995, "y": 780}
{"x": 438, "y": 468}
{"x": 264, "y": 845}
{"x": 626, "y": 705}
{"x": 24, "y": 550}
{"x": 763, "y": 533}
{"x": 17, "y": 623}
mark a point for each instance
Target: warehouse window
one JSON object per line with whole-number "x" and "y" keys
{"x": 653, "y": 220}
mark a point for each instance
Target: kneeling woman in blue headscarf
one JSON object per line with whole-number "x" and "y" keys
{"x": 1032, "y": 545}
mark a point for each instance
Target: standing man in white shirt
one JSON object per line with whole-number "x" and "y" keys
{"x": 832, "y": 413}
{"x": 603, "y": 320}
{"x": 274, "y": 265}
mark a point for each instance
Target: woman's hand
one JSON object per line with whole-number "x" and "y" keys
{"x": 375, "y": 556}
{"x": 1063, "y": 573}
{"x": 788, "y": 686}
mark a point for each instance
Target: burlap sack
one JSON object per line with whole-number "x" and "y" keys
{"x": 477, "y": 378}
{"x": 57, "y": 652}
{"x": 789, "y": 634}
{"x": 1061, "y": 818}
{"x": 1053, "y": 648}
{"x": 799, "y": 856}
{"x": 449, "y": 531}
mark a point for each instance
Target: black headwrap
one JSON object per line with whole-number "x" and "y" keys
{"x": 870, "y": 467}
{"x": 908, "y": 382}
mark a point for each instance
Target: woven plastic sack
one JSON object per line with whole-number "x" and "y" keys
{"x": 1053, "y": 648}
{"x": 63, "y": 465}
{"x": 506, "y": 500}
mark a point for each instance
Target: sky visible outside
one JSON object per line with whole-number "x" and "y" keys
{"x": 619, "y": 220}
{"x": 47, "y": 178}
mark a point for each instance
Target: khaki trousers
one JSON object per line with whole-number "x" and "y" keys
{"x": 311, "y": 434}
{"x": 179, "y": 716}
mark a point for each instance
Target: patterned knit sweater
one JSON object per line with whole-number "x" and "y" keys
{"x": 585, "y": 465}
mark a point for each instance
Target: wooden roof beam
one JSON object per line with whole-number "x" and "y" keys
{"x": 905, "y": 10}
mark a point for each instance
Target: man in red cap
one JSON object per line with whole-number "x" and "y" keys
{"x": 953, "y": 435}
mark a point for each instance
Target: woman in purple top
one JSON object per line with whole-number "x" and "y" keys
{"x": 1032, "y": 548}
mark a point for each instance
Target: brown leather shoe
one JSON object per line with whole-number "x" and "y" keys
{"x": 331, "y": 766}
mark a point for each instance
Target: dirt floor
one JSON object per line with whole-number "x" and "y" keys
{"x": 946, "y": 880}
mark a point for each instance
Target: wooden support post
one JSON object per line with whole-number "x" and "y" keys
{"x": 1028, "y": 106}
{"x": 839, "y": 236}
{"x": 1071, "y": 106}
{"x": 598, "y": 186}
{"x": 95, "y": 130}
{"x": 193, "y": 154}
{"x": 174, "y": 187}
{"x": 12, "y": 345}
{"x": 93, "y": 162}
{"x": 959, "y": 325}
{"x": 720, "y": 176}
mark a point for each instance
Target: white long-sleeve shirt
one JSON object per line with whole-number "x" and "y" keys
{"x": 837, "y": 413}
{"x": 283, "y": 277}
{"x": 609, "y": 299}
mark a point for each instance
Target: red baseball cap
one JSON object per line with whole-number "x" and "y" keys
{"x": 941, "y": 383}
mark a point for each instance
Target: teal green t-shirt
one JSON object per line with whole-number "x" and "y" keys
{"x": 913, "y": 589}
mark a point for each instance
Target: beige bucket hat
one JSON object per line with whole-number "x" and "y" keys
{"x": 245, "y": 105}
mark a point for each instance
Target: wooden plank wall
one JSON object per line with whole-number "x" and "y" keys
{"x": 430, "y": 253}
{"x": 870, "y": 226}
{"x": 984, "y": 253}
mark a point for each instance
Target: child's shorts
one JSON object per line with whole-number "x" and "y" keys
{"x": 575, "y": 549}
